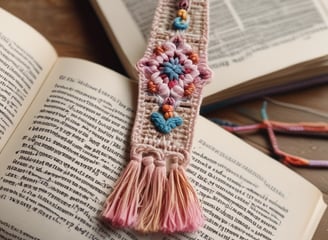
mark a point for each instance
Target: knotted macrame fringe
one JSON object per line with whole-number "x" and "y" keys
{"x": 148, "y": 199}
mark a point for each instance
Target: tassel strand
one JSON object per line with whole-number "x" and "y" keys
{"x": 122, "y": 204}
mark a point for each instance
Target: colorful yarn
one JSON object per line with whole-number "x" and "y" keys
{"x": 313, "y": 128}
{"x": 158, "y": 50}
{"x": 184, "y": 4}
{"x": 152, "y": 87}
{"x": 172, "y": 69}
{"x": 181, "y": 22}
{"x": 194, "y": 57}
{"x": 153, "y": 192}
{"x": 168, "y": 110}
{"x": 189, "y": 89}
{"x": 183, "y": 14}
{"x": 173, "y": 73}
{"x": 165, "y": 126}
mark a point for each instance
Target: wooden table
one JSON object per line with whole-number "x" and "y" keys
{"x": 75, "y": 31}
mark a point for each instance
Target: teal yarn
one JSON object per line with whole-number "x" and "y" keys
{"x": 165, "y": 126}
{"x": 172, "y": 69}
{"x": 180, "y": 24}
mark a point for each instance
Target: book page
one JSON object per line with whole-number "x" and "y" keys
{"x": 247, "y": 39}
{"x": 254, "y": 196}
{"x": 64, "y": 158}
{"x": 25, "y": 59}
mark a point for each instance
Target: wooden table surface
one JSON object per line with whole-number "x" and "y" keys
{"x": 75, "y": 31}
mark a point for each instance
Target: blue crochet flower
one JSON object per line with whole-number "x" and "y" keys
{"x": 173, "y": 69}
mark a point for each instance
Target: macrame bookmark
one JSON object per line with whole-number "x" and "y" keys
{"x": 153, "y": 193}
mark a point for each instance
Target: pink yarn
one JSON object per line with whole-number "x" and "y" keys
{"x": 121, "y": 205}
{"x": 182, "y": 208}
{"x": 151, "y": 204}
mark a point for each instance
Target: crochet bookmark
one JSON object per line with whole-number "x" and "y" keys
{"x": 153, "y": 193}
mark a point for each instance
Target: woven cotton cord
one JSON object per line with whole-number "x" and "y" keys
{"x": 153, "y": 193}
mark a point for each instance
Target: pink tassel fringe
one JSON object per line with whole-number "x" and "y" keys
{"x": 183, "y": 211}
{"x": 151, "y": 206}
{"x": 146, "y": 200}
{"x": 121, "y": 206}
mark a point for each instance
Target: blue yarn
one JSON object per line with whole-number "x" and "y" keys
{"x": 264, "y": 113}
{"x": 165, "y": 126}
{"x": 172, "y": 69}
{"x": 179, "y": 24}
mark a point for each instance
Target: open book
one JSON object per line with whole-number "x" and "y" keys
{"x": 64, "y": 139}
{"x": 255, "y": 48}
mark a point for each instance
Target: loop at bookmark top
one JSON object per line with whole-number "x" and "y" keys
{"x": 153, "y": 194}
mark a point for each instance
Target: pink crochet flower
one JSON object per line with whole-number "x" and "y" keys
{"x": 173, "y": 71}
